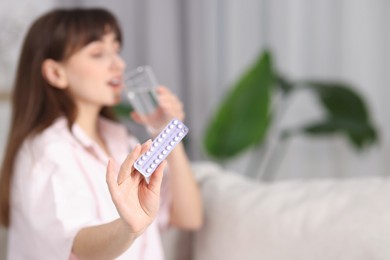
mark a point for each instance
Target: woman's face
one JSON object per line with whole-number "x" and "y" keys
{"x": 94, "y": 73}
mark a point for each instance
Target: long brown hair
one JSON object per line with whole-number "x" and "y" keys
{"x": 35, "y": 104}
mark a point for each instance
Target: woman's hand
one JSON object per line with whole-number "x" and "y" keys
{"x": 170, "y": 104}
{"x": 136, "y": 201}
{"x": 169, "y": 107}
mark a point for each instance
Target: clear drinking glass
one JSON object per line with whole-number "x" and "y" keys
{"x": 140, "y": 87}
{"x": 140, "y": 90}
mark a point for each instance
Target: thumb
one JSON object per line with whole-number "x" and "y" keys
{"x": 136, "y": 117}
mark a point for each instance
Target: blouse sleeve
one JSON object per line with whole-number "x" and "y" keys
{"x": 57, "y": 202}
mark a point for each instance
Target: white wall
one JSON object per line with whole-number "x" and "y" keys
{"x": 343, "y": 40}
{"x": 331, "y": 40}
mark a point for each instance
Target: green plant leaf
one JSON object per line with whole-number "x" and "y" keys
{"x": 284, "y": 84}
{"x": 346, "y": 113}
{"x": 243, "y": 117}
{"x": 122, "y": 110}
{"x": 340, "y": 100}
{"x": 360, "y": 134}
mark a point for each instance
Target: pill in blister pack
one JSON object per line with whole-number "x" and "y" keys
{"x": 161, "y": 146}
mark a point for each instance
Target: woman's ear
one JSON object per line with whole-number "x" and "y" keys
{"x": 54, "y": 73}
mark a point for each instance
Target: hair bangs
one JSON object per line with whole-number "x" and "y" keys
{"x": 85, "y": 27}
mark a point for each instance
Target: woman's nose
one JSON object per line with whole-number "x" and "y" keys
{"x": 118, "y": 62}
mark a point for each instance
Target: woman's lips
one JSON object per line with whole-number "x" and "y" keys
{"x": 116, "y": 83}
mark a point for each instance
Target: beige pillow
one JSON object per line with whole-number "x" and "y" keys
{"x": 317, "y": 219}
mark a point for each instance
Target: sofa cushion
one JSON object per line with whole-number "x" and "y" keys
{"x": 316, "y": 219}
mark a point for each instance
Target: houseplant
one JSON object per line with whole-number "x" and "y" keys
{"x": 244, "y": 117}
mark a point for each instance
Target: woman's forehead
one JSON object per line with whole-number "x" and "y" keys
{"x": 110, "y": 36}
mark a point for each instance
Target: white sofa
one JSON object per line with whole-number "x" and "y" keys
{"x": 302, "y": 220}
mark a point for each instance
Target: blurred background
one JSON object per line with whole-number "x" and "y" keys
{"x": 201, "y": 48}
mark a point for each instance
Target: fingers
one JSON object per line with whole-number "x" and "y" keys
{"x": 170, "y": 104}
{"x": 136, "y": 117}
{"x": 156, "y": 178}
{"x": 145, "y": 146}
{"x": 111, "y": 178}
{"x": 127, "y": 166}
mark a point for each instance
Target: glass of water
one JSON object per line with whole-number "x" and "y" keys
{"x": 140, "y": 87}
{"x": 140, "y": 90}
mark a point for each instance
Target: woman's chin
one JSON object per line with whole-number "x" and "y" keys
{"x": 116, "y": 98}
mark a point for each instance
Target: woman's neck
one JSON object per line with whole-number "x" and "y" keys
{"x": 88, "y": 121}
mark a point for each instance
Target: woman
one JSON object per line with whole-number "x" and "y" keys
{"x": 60, "y": 198}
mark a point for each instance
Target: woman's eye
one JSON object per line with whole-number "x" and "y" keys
{"x": 97, "y": 54}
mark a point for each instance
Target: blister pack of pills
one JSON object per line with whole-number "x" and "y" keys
{"x": 161, "y": 146}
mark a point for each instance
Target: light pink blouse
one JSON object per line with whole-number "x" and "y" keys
{"x": 59, "y": 187}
